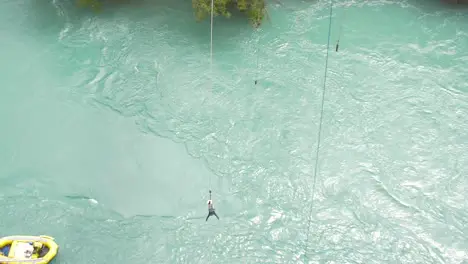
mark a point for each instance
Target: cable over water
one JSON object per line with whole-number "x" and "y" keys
{"x": 319, "y": 131}
{"x": 211, "y": 64}
{"x": 257, "y": 53}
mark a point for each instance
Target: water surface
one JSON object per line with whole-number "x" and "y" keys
{"x": 111, "y": 133}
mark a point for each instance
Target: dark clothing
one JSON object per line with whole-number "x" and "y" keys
{"x": 211, "y": 212}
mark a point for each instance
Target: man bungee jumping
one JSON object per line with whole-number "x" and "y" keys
{"x": 211, "y": 210}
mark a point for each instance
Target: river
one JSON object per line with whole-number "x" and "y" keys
{"x": 112, "y": 135}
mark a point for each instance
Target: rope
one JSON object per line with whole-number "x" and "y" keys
{"x": 211, "y": 64}
{"x": 211, "y": 89}
{"x": 319, "y": 132}
{"x": 211, "y": 42}
{"x": 258, "y": 55}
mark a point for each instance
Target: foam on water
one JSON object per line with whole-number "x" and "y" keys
{"x": 390, "y": 185}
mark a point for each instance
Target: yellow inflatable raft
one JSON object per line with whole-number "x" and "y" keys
{"x": 27, "y": 249}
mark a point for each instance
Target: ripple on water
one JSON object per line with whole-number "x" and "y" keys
{"x": 386, "y": 185}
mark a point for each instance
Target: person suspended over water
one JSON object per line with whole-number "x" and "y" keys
{"x": 211, "y": 210}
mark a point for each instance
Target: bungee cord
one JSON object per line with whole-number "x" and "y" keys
{"x": 211, "y": 66}
{"x": 258, "y": 55}
{"x": 319, "y": 133}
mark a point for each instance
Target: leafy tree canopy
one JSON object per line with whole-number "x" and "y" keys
{"x": 253, "y": 9}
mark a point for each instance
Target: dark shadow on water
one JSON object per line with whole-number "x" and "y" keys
{"x": 174, "y": 15}
{"x": 442, "y": 8}
{"x": 109, "y": 8}
{"x": 434, "y": 6}
{"x": 43, "y": 16}
{"x": 177, "y": 16}
{"x": 49, "y": 12}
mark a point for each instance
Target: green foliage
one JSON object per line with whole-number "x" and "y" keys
{"x": 93, "y": 4}
{"x": 253, "y": 9}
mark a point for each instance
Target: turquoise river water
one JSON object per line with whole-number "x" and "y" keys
{"x": 111, "y": 134}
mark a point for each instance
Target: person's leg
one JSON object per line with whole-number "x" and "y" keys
{"x": 207, "y": 217}
{"x": 216, "y": 215}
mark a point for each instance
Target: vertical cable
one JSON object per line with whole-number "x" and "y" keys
{"x": 319, "y": 133}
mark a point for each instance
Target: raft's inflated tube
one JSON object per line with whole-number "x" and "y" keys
{"x": 45, "y": 240}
